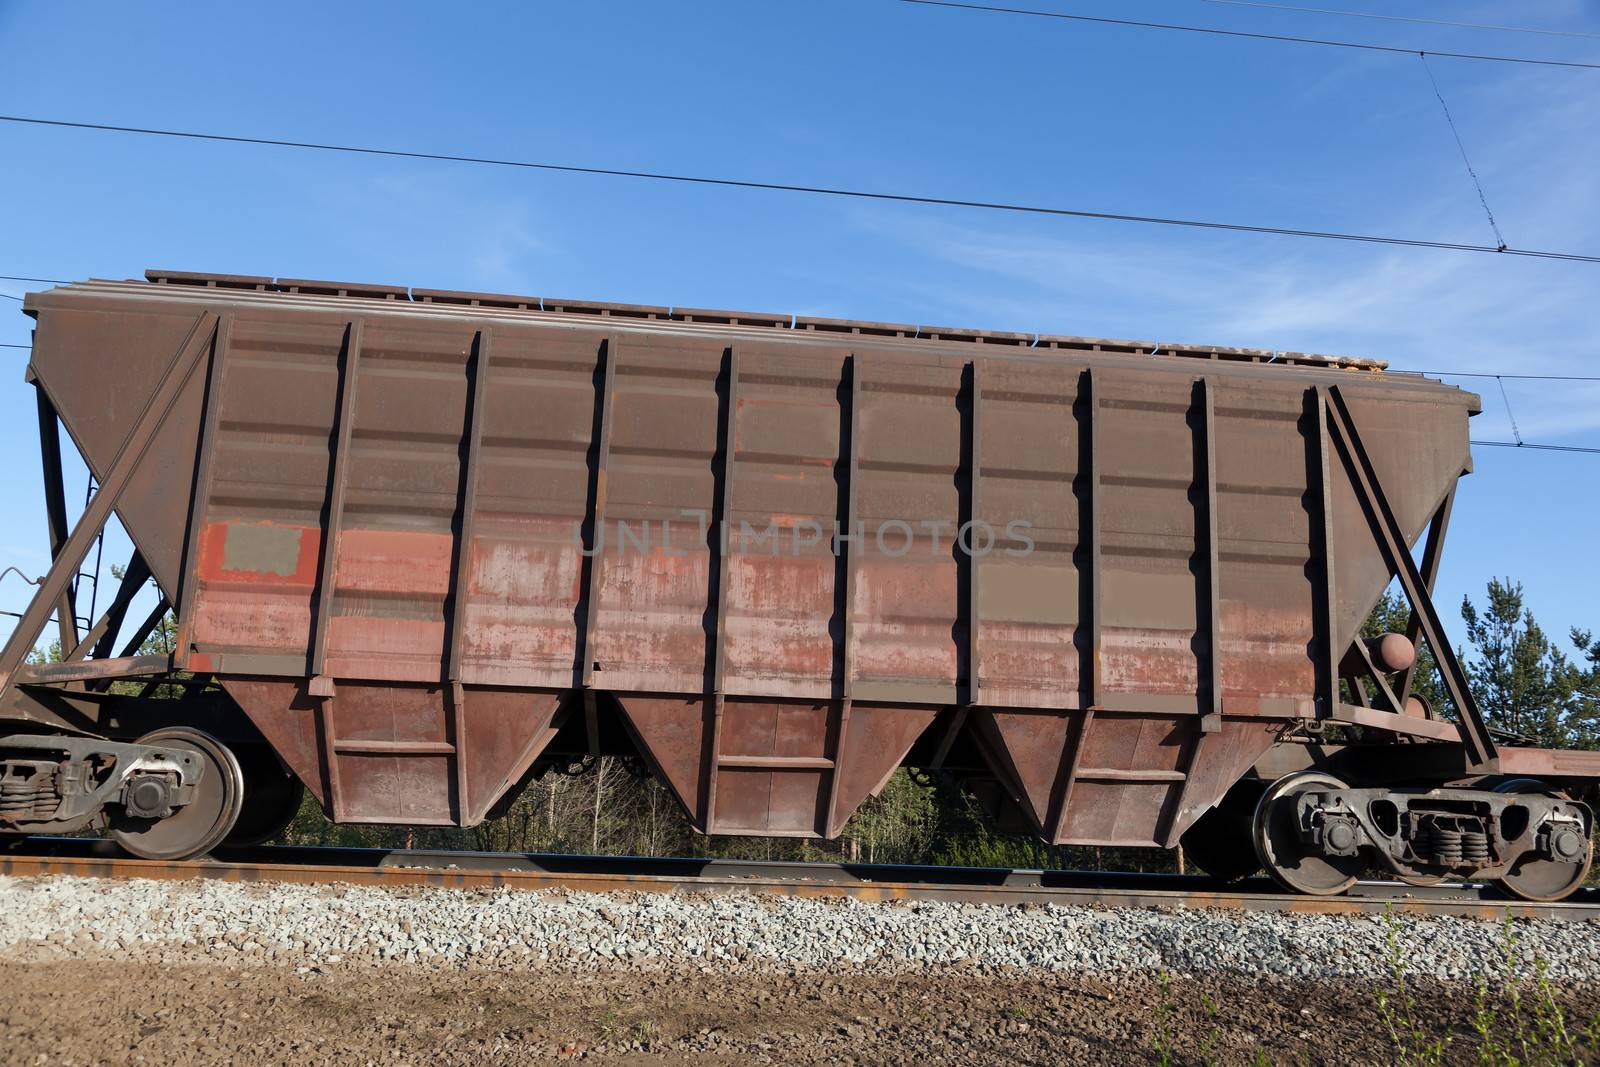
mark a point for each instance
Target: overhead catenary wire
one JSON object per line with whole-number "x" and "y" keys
{"x": 1280, "y": 38}
{"x": 1405, "y": 18}
{"x": 1540, "y": 448}
{"x": 815, "y": 190}
{"x": 1516, "y": 433}
{"x": 1522, "y": 377}
{"x": 1438, "y": 93}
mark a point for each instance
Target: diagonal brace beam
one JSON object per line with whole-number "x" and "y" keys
{"x": 1432, "y": 549}
{"x": 93, "y": 520}
{"x": 1391, "y": 539}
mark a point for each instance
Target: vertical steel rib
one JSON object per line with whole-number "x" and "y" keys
{"x": 608, "y": 394}
{"x": 479, "y": 372}
{"x": 852, "y": 447}
{"x": 189, "y": 577}
{"x": 1318, "y": 397}
{"x": 1211, "y": 710}
{"x": 975, "y": 475}
{"x": 1093, "y": 530}
{"x": 1211, "y": 719}
{"x": 719, "y": 541}
{"x": 478, "y": 364}
{"x": 730, "y": 439}
{"x": 848, "y": 545}
{"x": 349, "y": 379}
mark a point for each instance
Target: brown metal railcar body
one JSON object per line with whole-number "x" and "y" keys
{"x": 416, "y": 535}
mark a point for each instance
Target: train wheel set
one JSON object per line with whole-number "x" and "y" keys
{"x": 425, "y": 546}
{"x": 1314, "y": 834}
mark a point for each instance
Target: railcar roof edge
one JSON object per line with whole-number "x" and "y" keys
{"x": 1019, "y": 343}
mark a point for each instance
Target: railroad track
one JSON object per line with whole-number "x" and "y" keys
{"x": 84, "y": 857}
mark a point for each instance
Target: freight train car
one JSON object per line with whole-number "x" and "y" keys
{"x": 424, "y": 545}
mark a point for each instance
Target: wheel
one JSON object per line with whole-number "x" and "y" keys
{"x": 271, "y": 798}
{"x": 1281, "y": 851}
{"x": 1544, "y": 878}
{"x": 1220, "y": 842}
{"x": 202, "y": 823}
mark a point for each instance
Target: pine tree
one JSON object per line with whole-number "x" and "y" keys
{"x": 1522, "y": 681}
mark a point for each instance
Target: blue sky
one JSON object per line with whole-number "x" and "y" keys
{"x": 866, "y": 94}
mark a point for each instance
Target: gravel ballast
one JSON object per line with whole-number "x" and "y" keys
{"x": 296, "y": 925}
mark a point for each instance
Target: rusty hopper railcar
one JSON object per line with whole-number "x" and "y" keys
{"x": 424, "y": 545}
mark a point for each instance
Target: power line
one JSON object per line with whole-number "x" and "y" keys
{"x": 1277, "y": 37}
{"x": 1524, "y": 377}
{"x": 22, "y": 278}
{"x": 1476, "y": 184}
{"x": 1404, "y": 18}
{"x": 1516, "y": 433}
{"x": 8, "y": 296}
{"x": 1542, "y": 448}
{"x": 785, "y": 187}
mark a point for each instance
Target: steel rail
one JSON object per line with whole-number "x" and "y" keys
{"x": 92, "y": 858}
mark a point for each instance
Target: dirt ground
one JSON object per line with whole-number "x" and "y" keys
{"x": 83, "y": 1012}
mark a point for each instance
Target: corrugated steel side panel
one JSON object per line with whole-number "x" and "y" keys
{"x": 783, "y": 616}
{"x": 1031, "y": 588}
{"x": 907, "y": 644}
{"x": 652, "y": 602}
{"x": 524, "y": 566}
{"x": 260, "y": 541}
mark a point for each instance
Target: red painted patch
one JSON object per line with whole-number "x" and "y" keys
{"x": 213, "y": 551}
